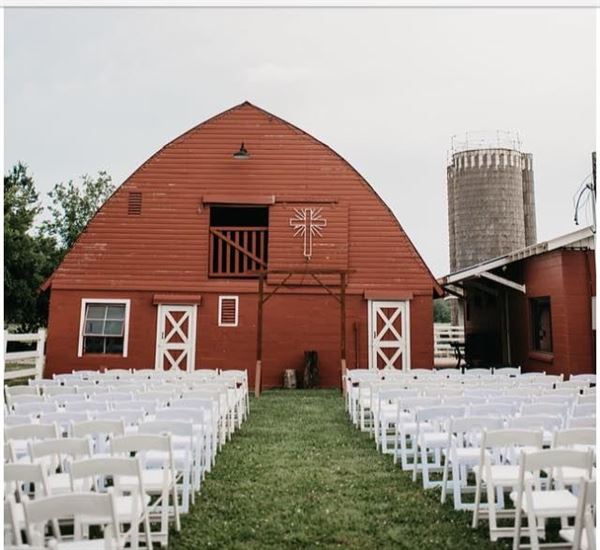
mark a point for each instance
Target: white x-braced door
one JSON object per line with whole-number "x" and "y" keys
{"x": 389, "y": 329}
{"x": 176, "y": 337}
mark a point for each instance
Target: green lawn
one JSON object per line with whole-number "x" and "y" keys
{"x": 298, "y": 474}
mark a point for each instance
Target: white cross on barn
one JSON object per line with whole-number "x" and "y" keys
{"x": 308, "y": 222}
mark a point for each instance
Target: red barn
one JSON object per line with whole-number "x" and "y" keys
{"x": 168, "y": 272}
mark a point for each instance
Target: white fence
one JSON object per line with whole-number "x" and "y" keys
{"x": 35, "y": 356}
{"x": 443, "y": 334}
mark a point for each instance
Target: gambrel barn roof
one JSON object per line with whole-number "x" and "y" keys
{"x": 150, "y": 234}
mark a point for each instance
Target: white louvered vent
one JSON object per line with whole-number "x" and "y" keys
{"x": 228, "y": 311}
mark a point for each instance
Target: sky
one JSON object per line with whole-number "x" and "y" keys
{"x": 89, "y": 89}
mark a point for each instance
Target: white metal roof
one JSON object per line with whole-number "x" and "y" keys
{"x": 582, "y": 238}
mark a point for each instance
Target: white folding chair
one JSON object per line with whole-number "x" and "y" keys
{"x": 540, "y": 502}
{"x": 582, "y": 422}
{"x": 51, "y": 391}
{"x": 496, "y": 472}
{"x": 160, "y": 482}
{"x": 547, "y": 423}
{"x": 34, "y": 408}
{"x": 17, "y": 419}
{"x": 19, "y": 399}
{"x": 581, "y": 439}
{"x": 588, "y": 409}
{"x": 64, "y": 419}
{"x": 131, "y": 418}
{"x": 19, "y": 436}
{"x": 499, "y": 410}
{"x": 462, "y": 452}
{"x": 586, "y": 399}
{"x": 12, "y": 391}
{"x": 87, "y": 507}
{"x": 552, "y": 409}
{"x": 56, "y": 455}
{"x": 207, "y": 406}
{"x": 99, "y": 432}
{"x": 406, "y": 429}
{"x": 508, "y": 371}
{"x": 183, "y": 440}
{"x": 12, "y": 526}
{"x": 131, "y": 502}
{"x": 583, "y": 535}
{"x": 431, "y": 441}
{"x": 22, "y": 479}
{"x": 203, "y": 452}
{"x": 385, "y": 411}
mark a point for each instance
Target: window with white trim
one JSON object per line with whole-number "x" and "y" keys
{"x": 228, "y": 311}
{"x": 104, "y": 327}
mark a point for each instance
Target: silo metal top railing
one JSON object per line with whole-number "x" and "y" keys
{"x": 499, "y": 139}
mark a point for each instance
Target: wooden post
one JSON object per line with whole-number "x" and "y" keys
{"x": 259, "y": 331}
{"x": 40, "y": 357}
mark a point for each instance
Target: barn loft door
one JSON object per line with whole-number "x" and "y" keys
{"x": 176, "y": 337}
{"x": 389, "y": 344}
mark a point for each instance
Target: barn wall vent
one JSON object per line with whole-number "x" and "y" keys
{"x": 134, "y": 207}
{"x": 228, "y": 311}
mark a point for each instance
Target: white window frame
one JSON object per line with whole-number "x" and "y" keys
{"x": 119, "y": 301}
{"x": 237, "y": 311}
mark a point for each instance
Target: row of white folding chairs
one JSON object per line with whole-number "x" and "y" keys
{"x": 230, "y": 401}
{"x": 180, "y": 422}
{"x": 157, "y": 472}
{"x": 133, "y": 413}
{"x": 363, "y": 395}
{"x": 88, "y": 381}
{"x": 411, "y": 422}
{"x": 489, "y": 447}
{"x": 364, "y": 409}
{"x": 394, "y": 405}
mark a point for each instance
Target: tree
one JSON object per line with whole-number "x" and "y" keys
{"x": 28, "y": 259}
{"x": 73, "y": 206}
{"x": 441, "y": 311}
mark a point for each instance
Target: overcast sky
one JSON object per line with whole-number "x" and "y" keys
{"x": 102, "y": 89}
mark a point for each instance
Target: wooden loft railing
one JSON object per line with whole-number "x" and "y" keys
{"x": 237, "y": 251}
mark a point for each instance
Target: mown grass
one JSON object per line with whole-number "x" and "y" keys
{"x": 298, "y": 475}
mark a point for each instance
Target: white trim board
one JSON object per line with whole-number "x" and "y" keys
{"x": 86, "y": 301}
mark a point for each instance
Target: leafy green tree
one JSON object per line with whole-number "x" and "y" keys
{"x": 28, "y": 258}
{"x": 73, "y": 206}
{"x": 441, "y": 311}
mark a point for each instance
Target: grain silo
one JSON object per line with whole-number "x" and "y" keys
{"x": 491, "y": 203}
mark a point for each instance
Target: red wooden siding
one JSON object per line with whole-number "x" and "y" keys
{"x": 152, "y": 239}
{"x": 568, "y": 278}
{"x": 166, "y": 247}
{"x": 294, "y": 323}
{"x": 329, "y": 251}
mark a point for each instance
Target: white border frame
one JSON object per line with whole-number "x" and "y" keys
{"x": 160, "y": 318}
{"x": 121, "y": 301}
{"x": 237, "y": 311}
{"x": 405, "y": 304}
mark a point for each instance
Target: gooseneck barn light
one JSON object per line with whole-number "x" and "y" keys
{"x": 242, "y": 154}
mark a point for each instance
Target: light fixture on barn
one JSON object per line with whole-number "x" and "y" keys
{"x": 242, "y": 154}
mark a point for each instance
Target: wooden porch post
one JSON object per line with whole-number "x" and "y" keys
{"x": 259, "y": 331}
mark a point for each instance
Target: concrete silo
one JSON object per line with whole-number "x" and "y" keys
{"x": 491, "y": 203}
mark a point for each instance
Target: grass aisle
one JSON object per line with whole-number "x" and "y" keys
{"x": 299, "y": 475}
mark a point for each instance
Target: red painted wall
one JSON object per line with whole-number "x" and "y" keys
{"x": 165, "y": 249}
{"x": 568, "y": 278}
{"x": 293, "y": 323}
